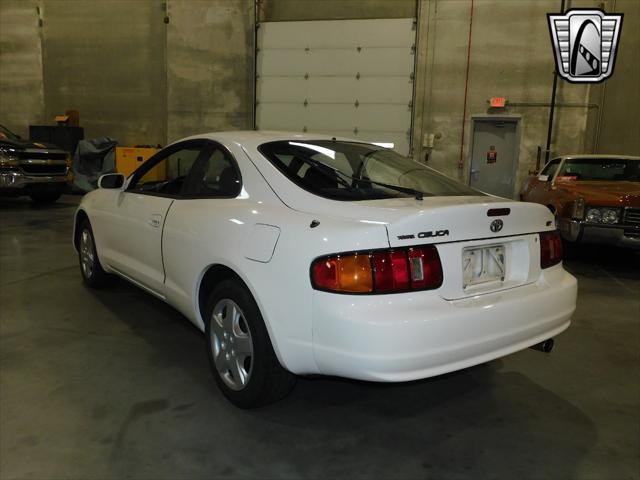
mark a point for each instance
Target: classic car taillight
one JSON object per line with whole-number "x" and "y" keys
{"x": 550, "y": 249}
{"x": 379, "y": 271}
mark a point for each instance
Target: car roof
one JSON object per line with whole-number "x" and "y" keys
{"x": 598, "y": 155}
{"x": 255, "y": 138}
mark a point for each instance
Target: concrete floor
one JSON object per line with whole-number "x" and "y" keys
{"x": 115, "y": 384}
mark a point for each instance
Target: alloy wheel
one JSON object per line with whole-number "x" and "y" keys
{"x": 87, "y": 253}
{"x": 231, "y": 343}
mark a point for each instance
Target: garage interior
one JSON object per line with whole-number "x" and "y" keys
{"x": 115, "y": 384}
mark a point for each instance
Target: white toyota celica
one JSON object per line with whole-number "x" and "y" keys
{"x": 306, "y": 254}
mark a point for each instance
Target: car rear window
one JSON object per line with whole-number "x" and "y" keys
{"x": 357, "y": 171}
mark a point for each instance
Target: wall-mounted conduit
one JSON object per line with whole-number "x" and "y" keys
{"x": 466, "y": 88}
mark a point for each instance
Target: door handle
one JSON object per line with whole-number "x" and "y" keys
{"x": 155, "y": 220}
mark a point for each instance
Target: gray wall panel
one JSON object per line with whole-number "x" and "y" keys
{"x": 620, "y": 121}
{"x": 210, "y": 66}
{"x": 107, "y": 59}
{"x": 21, "y": 90}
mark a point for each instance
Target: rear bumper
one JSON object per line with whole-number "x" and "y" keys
{"x": 618, "y": 236}
{"x": 405, "y": 337}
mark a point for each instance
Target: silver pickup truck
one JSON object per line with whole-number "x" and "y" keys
{"x": 40, "y": 170}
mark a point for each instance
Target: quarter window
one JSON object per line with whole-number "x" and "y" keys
{"x": 217, "y": 176}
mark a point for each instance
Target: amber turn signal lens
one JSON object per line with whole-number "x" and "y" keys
{"x": 348, "y": 274}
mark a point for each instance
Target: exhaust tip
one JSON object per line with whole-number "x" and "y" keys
{"x": 545, "y": 346}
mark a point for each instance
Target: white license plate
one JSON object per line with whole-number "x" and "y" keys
{"x": 483, "y": 264}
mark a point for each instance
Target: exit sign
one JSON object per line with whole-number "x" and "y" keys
{"x": 498, "y": 102}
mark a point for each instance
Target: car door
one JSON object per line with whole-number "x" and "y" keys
{"x": 137, "y": 220}
{"x": 539, "y": 190}
{"x": 201, "y": 223}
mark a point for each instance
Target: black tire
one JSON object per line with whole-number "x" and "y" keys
{"x": 569, "y": 249}
{"x": 94, "y": 277}
{"x": 267, "y": 380}
{"x": 45, "y": 198}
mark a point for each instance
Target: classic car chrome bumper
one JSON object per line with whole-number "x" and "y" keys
{"x": 618, "y": 236}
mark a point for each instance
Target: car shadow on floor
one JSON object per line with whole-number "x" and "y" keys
{"x": 598, "y": 260}
{"x": 454, "y": 425}
{"x": 8, "y": 204}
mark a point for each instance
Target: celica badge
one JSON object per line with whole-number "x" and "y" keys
{"x": 496, "y": 225}
{"x": 585, "y": 42}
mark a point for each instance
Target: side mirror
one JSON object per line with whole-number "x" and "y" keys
{"x": 111, "y": 180}
{"x": 543, "y": 178}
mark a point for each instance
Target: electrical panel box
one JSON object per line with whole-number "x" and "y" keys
{"x": 128, "y": 159}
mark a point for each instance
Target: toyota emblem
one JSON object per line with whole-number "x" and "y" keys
{"x": 496, "y": 226}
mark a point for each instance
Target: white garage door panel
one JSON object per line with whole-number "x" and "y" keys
{"x": 347, "y": 78}
{"x": 328, "y": 117}
{"x": 398, "y": 139}
{"x": 396, "y": 32}
{"x": 385, "y": 90}
{"x": 324, "y": 62}
{"x": 335, "y": 89}
{"x": 282, "y": 63}
{"x": 280, "y": 116}
{"x": 331, "y": 90}
{"x": 385, "y": 61}
{"x": 281, "y": 89}
{"x": 381, "y": 117}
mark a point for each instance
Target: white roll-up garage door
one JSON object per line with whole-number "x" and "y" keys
{"x": 351, "y": 78}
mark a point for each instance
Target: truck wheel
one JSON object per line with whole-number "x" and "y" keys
{"x": 241, "y": 356}
{"x": 44, "y": 198}
{"x": 92, "y": 273}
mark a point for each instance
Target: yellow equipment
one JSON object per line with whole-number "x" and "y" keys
{"x": 128, "y": 159}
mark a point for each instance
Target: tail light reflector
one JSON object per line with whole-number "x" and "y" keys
{"x": 380, "y": 271}
{"x": 550, "y": 249}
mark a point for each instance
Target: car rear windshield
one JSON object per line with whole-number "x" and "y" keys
{"x": 610, "y": 169}
{"x": 357, "y": 171}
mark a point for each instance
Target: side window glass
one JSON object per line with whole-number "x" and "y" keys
{"x": 551, "y": 167}
{"x": 169, "y": 175}
{"x": 218, "y": 177}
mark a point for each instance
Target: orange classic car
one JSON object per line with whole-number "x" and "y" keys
{"x": 596, "y": 198}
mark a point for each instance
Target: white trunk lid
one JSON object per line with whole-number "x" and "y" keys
{"x": 476, "y": 258}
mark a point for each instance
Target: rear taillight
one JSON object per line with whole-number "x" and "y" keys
{"x": 379, "y": 271}
{"x": 550, "y": 249}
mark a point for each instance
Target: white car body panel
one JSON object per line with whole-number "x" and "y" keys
{"x": 261, "y": 242}
{"x": 264, "y": 235}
